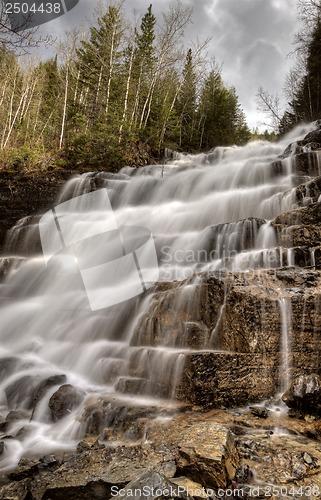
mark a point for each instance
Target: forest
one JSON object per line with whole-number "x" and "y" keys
{"x": 302, "y": 86}
{"x": 116, "y": 94}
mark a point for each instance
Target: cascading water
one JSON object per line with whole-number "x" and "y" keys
{"x": 206, "y": 212}
{"x": 286, "y": 326}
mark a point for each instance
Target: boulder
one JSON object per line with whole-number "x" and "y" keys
{"x": 152, "y": 485}
{"x": 305, "y": 394}
{"x": 64, "y": 400}
{"x": 204, "y": 450}
{"x": 314, "y": 136}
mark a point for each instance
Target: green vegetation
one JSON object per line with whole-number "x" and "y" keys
{"x": 302, "y": 88}
{"x": 305, "y": 101}
{"x": 116, "y": 95}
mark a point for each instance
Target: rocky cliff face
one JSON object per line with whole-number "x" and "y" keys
{"x": 23, "y": 195}
{"x": 250, "y": 333}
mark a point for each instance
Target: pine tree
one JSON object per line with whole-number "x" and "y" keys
{"x": 307, "y": 103}
{"x": 186, "y": 104}
{"x": 50, "y": 102}
{"x": 97, "y": 60}
{"x": 305, "y": 98}
{"x": 221, "y": 122}
{"x": 144, "y": 64}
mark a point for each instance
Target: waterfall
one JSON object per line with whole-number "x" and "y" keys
{"x": 205, "y": 213}
{"x": 286, "y": 329}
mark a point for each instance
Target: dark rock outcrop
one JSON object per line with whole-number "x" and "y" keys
{"x": 305, "y": 394}
{"x": 242, "y": 314}
{"x": 151, "y": 485}
{"x": 22, "y": 195}
{"x": 64, "y": 400}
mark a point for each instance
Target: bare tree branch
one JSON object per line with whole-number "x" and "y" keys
{"x": 19, "y": 40}
{"x": 270, "y": 106}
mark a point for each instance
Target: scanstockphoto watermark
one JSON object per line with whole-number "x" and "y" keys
{"x": 253, "y": 491}
{"x": 160, "y": 491}
{"x": 184, "y": 262}
{"x": 28, "y": 14}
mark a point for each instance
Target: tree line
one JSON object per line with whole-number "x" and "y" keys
{"x": 117, "y": 94}
{"x": 302, "y": 86}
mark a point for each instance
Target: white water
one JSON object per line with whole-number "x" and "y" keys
{"x": 286, "y": 330}
{"x": 48, "y": 328}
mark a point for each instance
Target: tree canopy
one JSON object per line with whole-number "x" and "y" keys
{"x": 119, "y": 94}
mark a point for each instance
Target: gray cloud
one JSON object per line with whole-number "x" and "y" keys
{"x": 250, "y": 38}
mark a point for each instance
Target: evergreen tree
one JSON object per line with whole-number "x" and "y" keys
{"x": 221, "y": 122}
{"x": 97, "y": 59}
{"x": 307, "y": 103}
{"x": 144, "y": 63}
{"x": 187, "y": 104}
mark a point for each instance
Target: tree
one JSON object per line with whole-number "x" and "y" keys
{"x": 168, "y": 51}
{"x": 186, "y": 103}
{"x": 269, "y": 105}
{"x": 307, "y": 102}
{"x": 221, "y": 121}
{"x": 97, "y": 59}
{"x": 144, "y": 61}
{"x": 304, "y": 81}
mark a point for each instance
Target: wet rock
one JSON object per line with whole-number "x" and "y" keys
{"x": 113, "y": 420}
{"x": 243, "y": 474}
{"x": 26, "y": 468}
{"x": 244, "y": 232}
{"x": 20, "y": 392}
{"x": 89, "y": 443}
{"x": 293, "y": 413}
{"x": 305, "y": 394}
{"x": 152, "y": 485}
{"x": 22, "y": 195}
{"x": 28, "y": 390}
{"x": 240, "y": 362}
{"x": 310, "y": 190}
{"x": 306, "y": 164}
{"x": 64, "y": 400}
{"x": 7, "y": 366}
{"x": 292, "y": 149}
{"x": 300, "y": 227}
{"x": 312, "y": 146}
{"x": 314, "y": 136}
{"x": 15, "y": 415}
{"x": 260, "y": 412}
{"x": 222, "y": 380}
{"x": 47, "y": 384}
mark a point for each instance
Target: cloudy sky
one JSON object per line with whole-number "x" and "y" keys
{"x": 250, "y": 38}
